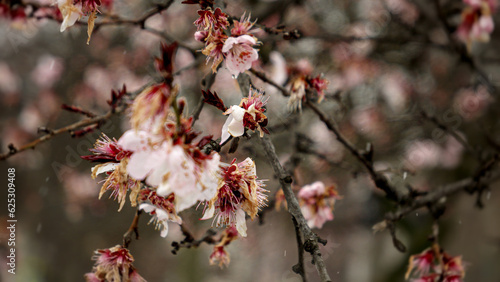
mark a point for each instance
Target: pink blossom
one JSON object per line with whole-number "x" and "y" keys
{"x": 421, "y": 264}
{"x": 317, "y": 202}
{"x": 171, "y": 168}
{"x": 477, "y": 23}
{"x": 242, "y": 26}
{"x": 113, "y": 264}
{"x": 219, "y": 254}
{"x": 239, "y": 54}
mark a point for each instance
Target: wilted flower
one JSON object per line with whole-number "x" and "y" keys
{"x": 317, "y": 202}
{"x": 107, "y": 150}
{"x": 70, "y": 12}
{"x": 477, "y": 23}
{"x": 239, "y": 191}
{"x": 421, "y": 264}
{"x": 431, "y": 267}
{"x": 118, "y": 181}
{"x": 242, "y": 26}
{"x": 213, "y": 46}
{"x": 249, "y": 114}
{"x": 160, "y": 216}
{"x": 209, "y": 20}
{"x": 301, "y": 81}
{"x": 240, "y": 54}
{"x": 113, "y": 159}
{"x": 151, "y": 108}
{"x": 113, "y": 264}
{"x": 219, "y": 254}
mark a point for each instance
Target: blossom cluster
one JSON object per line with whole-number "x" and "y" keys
{"x": 235, "y": 47}
{"x": 477, "y": 22}
{"x": 165, "y": 168}
{"x": 431, "y": 266}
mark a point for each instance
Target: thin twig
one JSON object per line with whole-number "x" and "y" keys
{"x": 380, "y": 181}
{"x": 133, "y": 229}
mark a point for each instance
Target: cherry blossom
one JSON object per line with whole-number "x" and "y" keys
{"x": 477, "y": 22}
{"x": 160, "y": 216}
{"x": 432, "y": 266}
{"x": 248, "y": 114}
{"x": 240, "y": 54}
{"x": 219, "y": 255}
{"x": 171, "y": 168}
{"x": 238, "y": 193}
{"x": 113, "y": 264}
{"x": 70, "y": 12}
{"x": 317, "y": 202}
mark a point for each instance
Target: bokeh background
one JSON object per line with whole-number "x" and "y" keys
{"x": 386, "y": 60}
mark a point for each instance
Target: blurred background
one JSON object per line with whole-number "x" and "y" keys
{"x": 391, "y": 64}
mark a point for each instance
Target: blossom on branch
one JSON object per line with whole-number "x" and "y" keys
{"x": 301, "y": 82}
{"x": 113, "y": 159}
{"x": 151, "y": 108}
{"x": 219, "y": 255}
{"x": 432, "y": 266}
{"x": 161, "y": 208}
{"x": 239, "y": 192}
{"x": 240, "y": 54}
{"x": 113, "y": 264}
{"x": 248, "y": 114}
{"x": 317, "y": 203}
{"x": 181, "y": 168}
{"x": 70, "y": 12}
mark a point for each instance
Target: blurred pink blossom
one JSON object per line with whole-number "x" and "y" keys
{"x": 47, "y": 71}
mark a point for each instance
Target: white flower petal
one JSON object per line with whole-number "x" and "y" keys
{"x": 209, "y": 213}
{"x": 241, "y": 224}
{"x": 98, "y": 169}
{"x": 147, "y": 207}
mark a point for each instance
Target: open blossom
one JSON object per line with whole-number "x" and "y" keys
{"x": 249, "y": 114}
{"x": 161, "y": 208}
{"x": 70, "y": 12}
{"x": 426, "y": 267}
{"x": 219, "y": 255}
{"x": 239, "y": 192}
{"x": 317, "y": 202}
{"x": 172, "y": 168}
{"x": 477, "y": 22}
{"x": 240, "y": 54}
{"x": 113, "y": 264}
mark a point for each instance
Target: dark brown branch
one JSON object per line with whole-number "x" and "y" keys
{"x": 189, "y": 240}
{"x": 380, "y": 181}
{"x": 299, "y": 267}
{"x": 310, "y": 239}
{"x": 133, "y": 229}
